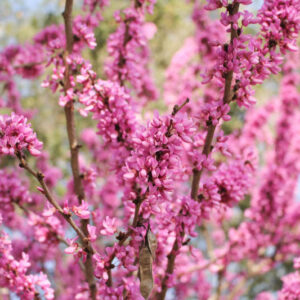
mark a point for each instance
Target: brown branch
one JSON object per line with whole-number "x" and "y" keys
{"x": 206, "y": 150}
{"x": 74, "y": 147}
{"x": 69, "y": 108}
{"x": 232, "y": 9}
{"x": 177, "y": 108}
{"x": 29, "y": 65}
{"x": 208, "y": 241}
{"x": 37, "y": 296}
{"x": 137, "y": 4}
{"x": 34, "y": 64}
{"x": 170, "y": 267}
{"x": 67, "y": 14}
{"x": 124, "y": 236}
{"x": 127, "y": 38}
{"x": 58, "y": 237}
{"x": 220, "y": 287}
{"x": 236, "y": 290}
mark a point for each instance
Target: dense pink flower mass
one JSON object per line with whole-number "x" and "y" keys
{"x": 13, "y": 190}
{"x": 199, "y": 200}
{"x": 13, "y": 273}
{"x": 16, "y": 135}
{"x": 128, "y": 48}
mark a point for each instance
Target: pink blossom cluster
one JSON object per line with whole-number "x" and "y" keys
{"x": 155, "y": 163}
{"x": 86, "y": 34}
{"x": 109, "y": 103}
{"x": 14, "y": 273}
{"x": 232, "y": 188}
{"x": 280, "y": 24}
{"x": 183, "y": 76}
{"x": 13, "y": 190}
{"x": 16, "y": 135}
{"x": 291, "y": 287}
{"x": 8, "y": 68}
{"x": 253, "y": 59}
{"x": 129, "y": 52}
{"x": 291, "y": 284}
{"x": 47, "y": 227}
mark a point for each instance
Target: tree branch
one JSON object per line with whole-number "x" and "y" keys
{"x": 226, "y": 99}
{"x": 206, "y": 150}
{"x": 74, "y": 147}
{"x": 170, "y": 267}
{"x": 124, "y": 236}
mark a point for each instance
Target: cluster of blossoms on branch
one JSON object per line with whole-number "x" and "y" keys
{"x": 17, "y": 135}
{"x": 132, "y": 223}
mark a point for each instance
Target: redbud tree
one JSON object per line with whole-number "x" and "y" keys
{"x": 156, "y": 204}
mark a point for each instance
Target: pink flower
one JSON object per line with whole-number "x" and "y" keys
{"x": 100, "y": 266}
{"x": 82, "y": 211}
{"x": 214, "y": 4}
{"x": 15, "y": 273}
{"x": 108, "y": 226}
{"x": 149, "y": 30}
{"x": 31, "y": 57}
{"x": 13, "y": 189}
{"x": 92, "y": 232}
{"x": 64, "y": 99}
{"x": 297, "y": 263}
{"x": 86, "y": 34}
{"x": 291, "y": 287}
{"x": 71, "y": 249}
{"x": 17, "y": 135}
{"x": 129, "y": 53}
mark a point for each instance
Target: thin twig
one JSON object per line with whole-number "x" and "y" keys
{"x": 236, "y": 290}
{"x": 40, "y": 177}
{"x": 220, "y": 286}
{"x": 26, "y": 212}
{"x": 29, "y": 65}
